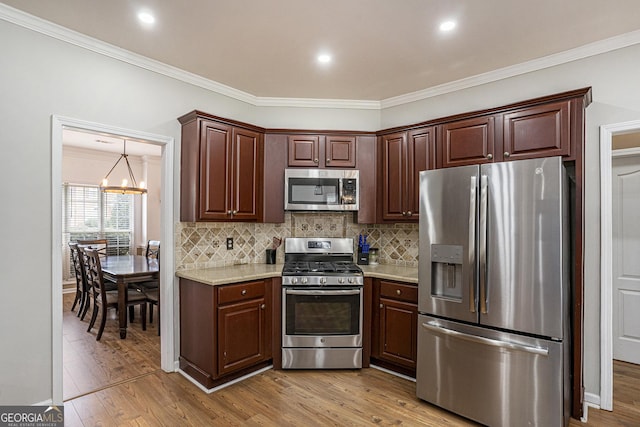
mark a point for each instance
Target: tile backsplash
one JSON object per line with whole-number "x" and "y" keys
{"x": 203, "y": 244}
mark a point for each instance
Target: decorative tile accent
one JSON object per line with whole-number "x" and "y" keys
{"x": 203, "y": 244}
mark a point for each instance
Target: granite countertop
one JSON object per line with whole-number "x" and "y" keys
{"x": 244, "y": 272}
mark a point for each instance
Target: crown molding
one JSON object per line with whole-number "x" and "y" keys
{"x": 59, "y": 32}
{"x": 592, "y": 49}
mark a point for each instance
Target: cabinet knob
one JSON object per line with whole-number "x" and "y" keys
{"x": 328, "y": 161}
{"x": 234, "y": 212}
{"x": 489, "y": 156}
{"x": 409, "y": 213}
{"x": 404, "y": 213}
{"x": 507, "y": 154}
{"x": 244, "y": 292}
{"x": 315, "y": 160}
{"x": 263, "y": 306}
{"x": 381, "y": 305}
{"x": 398, "y": 291}
{"x": 228, "y": 212}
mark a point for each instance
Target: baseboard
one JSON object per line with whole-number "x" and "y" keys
{"x": 388, "y": 371}
{"x": 591, "y": 400}
{"x": 221, "y": 386}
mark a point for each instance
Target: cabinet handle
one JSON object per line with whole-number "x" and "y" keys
{"x": 263, "y": 306}
{"x": 489, "y": 156}
{"x": 409, "y": 213}
{"x": 398, "y": 291}
{"x": 404, "y": 213}
{"x": 315, "y": 160}
{"x": 381, "y": 305}
{"x": 507, "y": 154}
{"x": 234, "y": 212}
{"x": 244, "y": 292}
{"x": 228, "y": 212}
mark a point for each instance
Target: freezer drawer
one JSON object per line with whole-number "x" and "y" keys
{"x": 494, "y": 378}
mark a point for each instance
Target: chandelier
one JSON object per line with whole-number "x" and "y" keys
{"x": 128, "y": 186}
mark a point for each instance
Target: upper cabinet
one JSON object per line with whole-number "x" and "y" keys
{"x": 221, "y": 170}
{"x": 467, "y": 142}
{"x": 538, "y": 131}
{"x": 403, "y": 155}
{"x": 322, "y": 151}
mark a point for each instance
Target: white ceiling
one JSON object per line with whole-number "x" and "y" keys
{"x": 110, "y": 143}
{"x": 381, "y": 48}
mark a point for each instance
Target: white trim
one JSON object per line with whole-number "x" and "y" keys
{"x": 606, "y": 266}
{"x": 50, "y": 29}
{"x": 397, "y": 374}
{"x": 227, "y": 384}
{"x": 626, "y": 152}
{"x": 168, "y": 281}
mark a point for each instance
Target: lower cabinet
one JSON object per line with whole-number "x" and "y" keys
{"x": 394, "y": 326}
{"x": 226, "y": 330}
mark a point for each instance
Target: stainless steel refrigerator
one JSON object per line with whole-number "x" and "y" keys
{"x": 493, "y": 331}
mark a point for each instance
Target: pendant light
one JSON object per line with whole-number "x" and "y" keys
{"x": 125, "y": 187}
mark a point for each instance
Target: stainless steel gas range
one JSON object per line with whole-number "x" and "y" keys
{"x": 321, "y": 305}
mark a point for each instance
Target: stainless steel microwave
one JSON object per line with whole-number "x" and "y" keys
{"x": 321, "y": 190}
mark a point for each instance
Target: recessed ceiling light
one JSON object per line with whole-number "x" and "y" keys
{"x": 146, "y": 18}
{"x": 447, "y": 26}
{"x": 324, "y": 58}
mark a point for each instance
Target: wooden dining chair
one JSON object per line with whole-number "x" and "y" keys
{"x": 82, "y": 292}
{"x": 107, "y": 299}
{"x": 151, "y": 288}
{"x": 101, "y": 245}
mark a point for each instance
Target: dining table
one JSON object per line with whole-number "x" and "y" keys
{"x": 126, "y": 269}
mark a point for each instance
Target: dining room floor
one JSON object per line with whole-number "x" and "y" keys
{"x": 114, "y": 382}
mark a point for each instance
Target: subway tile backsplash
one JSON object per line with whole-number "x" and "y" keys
{"x": 203, "y": 244}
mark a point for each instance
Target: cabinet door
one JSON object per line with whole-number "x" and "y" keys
{"x": 340, "y": 152}
{"x": 398, "y": 329}
{"x": 541, "y": 131}
{"x": 304, "y": 151}
{"x": 394, "y": 176}
{"x": 215, "y": 171}
{"x": 467, "y": 142}
{"x": 247, "y": 168}
{"x": 421, "y": 150}
{"x": 242, "y": 335}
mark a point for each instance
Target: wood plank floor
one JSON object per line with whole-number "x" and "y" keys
{"x": 141, "y": 394}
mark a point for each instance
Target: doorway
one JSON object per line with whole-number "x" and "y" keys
{"x": 607, "y": 135}
{"x": 167, "y": 287}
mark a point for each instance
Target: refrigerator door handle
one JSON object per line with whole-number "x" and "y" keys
{"x": 482, "y": 247}
{"x": 434, "y": 327}
{"x": 472, "y": 244}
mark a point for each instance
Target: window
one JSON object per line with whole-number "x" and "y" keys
{"x": 88, "y": 213}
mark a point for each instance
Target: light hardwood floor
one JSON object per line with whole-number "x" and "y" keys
{"x": 130, "y": 389}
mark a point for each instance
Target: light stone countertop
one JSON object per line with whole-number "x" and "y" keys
{"x": 244, "y": 272}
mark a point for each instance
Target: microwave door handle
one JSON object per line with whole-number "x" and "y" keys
{"x": 472, "y": 244}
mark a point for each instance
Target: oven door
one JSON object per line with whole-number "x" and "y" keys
{"x": 313, "y": 318}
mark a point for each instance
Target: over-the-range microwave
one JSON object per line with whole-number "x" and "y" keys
{"x": 321, "y": 190}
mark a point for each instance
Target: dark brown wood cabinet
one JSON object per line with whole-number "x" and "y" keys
{"x": 467, "y": 142}
{"x": 322, "y": 151}
{"x": 540, "y": 131}
{"x": 221, "y": 170}
{"x": 394, "y": 327}
{"x": 225, "y": 331}
{"x": 403, "y": 155}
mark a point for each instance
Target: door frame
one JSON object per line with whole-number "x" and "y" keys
{"x": 606, "y": 249}
{"x": 167, "y": 280}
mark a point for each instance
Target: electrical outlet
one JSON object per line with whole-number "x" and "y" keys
{"x": 229, "y": 243}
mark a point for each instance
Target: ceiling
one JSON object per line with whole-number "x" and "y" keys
{"x": 110, "y": 143}
{"x": 380, "y": 48}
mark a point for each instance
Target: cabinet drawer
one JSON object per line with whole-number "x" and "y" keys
{"x": 399, "y": 292}
{"x": 240, "y": 292}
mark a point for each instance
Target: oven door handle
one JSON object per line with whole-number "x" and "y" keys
{"x": 321, "y": 292}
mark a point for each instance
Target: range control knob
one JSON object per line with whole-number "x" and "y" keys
{"x": 351, "y": 280}
{"x": 294, "y": 280}
{"x": 323, "y": 280}
{"x": 304, "y": 280}
{"x": 341, "y": 280}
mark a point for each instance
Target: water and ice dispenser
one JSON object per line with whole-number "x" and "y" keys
{"x": 446, "y": 271}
